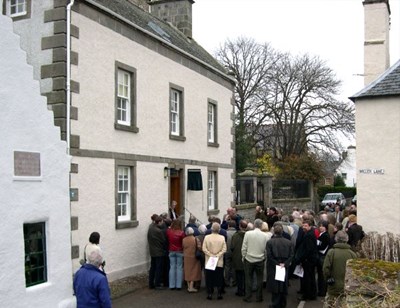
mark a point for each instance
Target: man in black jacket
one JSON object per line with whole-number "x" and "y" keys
{"x": 157, "y": 246}
{"x": 279, "y": 253}
{"x": 307, "y": 256}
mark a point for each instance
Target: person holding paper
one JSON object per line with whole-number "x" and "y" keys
{"x": 279, "y": 256}
{"x": 214, "y": 247}
{"x": 323, "y": 243}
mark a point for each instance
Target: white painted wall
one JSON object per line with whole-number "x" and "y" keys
{"x": 27, "y": 125}
{"x": 378, "y": 147}
{"x": 126, "y": 249}
{"x": 348, "y": 166}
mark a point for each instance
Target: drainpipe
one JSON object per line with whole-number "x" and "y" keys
{"x": 68, "y": 81}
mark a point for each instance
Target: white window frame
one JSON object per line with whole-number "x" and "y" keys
{"x": 19, "y": 5}
{"x": 124, "y": 185}
{"x": 124, "y": 96}
{"x": 175, "y": 102}
{"x": 211, "y": 122}
{"x": 211, "y": 190}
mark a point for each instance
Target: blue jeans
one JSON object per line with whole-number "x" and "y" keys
{"x": 175, "y": 269}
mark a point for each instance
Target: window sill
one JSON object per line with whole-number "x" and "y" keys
{"x": 127, "y": 128}
{"x": 213, "y": 144}
{"x": 177, "y": 138}
{"x": 126, "y": 224}
{"x": 213, "y": 212}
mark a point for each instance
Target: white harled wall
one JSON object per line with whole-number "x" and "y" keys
{"x": 126, "y": 250}
{"x": 27, "y": 125}
{"x": 378, "y": 149}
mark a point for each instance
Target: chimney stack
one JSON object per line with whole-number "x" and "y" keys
{"x": 376, "y": 38}
{"x": 176, "y": 12}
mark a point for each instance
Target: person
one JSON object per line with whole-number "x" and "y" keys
{"x": 191, "y": 265}
{"x": 200, "y": 253}
{"x": 272, "y": 217}
{"x": 253, "y": 254}
{"x": 307, "y": 257}
{"x": 157, "y": 248}
{"x": 279, "y": 253}
{"x": 232, "y": 214}
{"x": 228, "y": 271}
{"x": 260, "y": 214}
{"x": 323, "y": 244}
{"x": 355, "y": 232}
{"x": 214, "y": 245}
{"x": 175, "y": 237}
{"x": 237, "y": 261}
{"x": 172, "y": 212}
{"x": 192, "y": 224}
{"x": 335, "y": 267}
{"x": 265, "y": 229}
{"x": 90, "y": 283}
{"x": 338, "y": 214}
{"x": 94, "y": 244}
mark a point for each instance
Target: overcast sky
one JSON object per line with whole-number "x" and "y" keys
{"x": 330, "y": 29}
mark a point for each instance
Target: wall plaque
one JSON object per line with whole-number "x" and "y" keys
{"x": 26, "y": 164}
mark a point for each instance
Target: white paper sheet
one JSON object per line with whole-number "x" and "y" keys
{"x": 299, "y": 271}
{"x": 211, "y": 263}
{"x": 280, "y": 273}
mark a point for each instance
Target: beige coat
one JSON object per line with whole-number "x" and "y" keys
{"x": 214, "y": 246}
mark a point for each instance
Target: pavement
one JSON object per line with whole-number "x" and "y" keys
{"x": 167, "y": 298}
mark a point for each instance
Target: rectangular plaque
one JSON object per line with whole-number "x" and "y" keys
{"x": 26, "y": 163}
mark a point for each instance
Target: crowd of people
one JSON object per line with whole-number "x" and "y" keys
{"x": 265, "y": 251}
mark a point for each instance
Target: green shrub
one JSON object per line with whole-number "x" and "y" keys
{"x": 348, "y": 192}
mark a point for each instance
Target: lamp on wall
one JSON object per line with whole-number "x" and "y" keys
{"x": 166, "y": 172}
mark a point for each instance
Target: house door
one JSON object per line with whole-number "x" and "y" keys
{"x": 175, "y": 190}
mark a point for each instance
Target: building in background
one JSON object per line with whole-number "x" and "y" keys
{"x": 35, "y": 245}
{"x": 347, "y": 167}
{"x": 377, "y": 127}
{"x": 147, "y": 115}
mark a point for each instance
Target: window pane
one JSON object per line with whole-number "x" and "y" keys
{"x": 123, "y": 99}
{"x": 174, "y": 110}
{"x": 124, "y": 194}
{"x": 35, "y": 253}
{"x": 211, "y": 190}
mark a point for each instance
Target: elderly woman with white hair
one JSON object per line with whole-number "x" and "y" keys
{"x": 191, "y": 265}
{"x": 214, "y": 245}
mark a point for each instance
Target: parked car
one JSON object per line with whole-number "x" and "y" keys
{"x": 331, "y": 198}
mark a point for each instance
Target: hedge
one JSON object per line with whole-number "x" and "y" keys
{"x": 348, "y": 192}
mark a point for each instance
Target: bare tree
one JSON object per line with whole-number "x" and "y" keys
{"x": 249, "y": 63}
{"x": 286, "y": 105}
{"x": 301, "y": 94}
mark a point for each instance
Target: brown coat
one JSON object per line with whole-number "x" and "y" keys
{"x": 191, "y": 266}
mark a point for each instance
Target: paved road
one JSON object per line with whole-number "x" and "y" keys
{"x": 144, "y": 298}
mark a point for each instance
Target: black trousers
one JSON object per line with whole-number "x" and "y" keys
{"x": 309, "y": 283}
{"x": 156, "y": 271}
{"x": 278, "y": 300}
{"x": 240, "y": 282}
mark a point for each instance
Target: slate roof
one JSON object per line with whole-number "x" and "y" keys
{"x": 160, "y": 29}
{"x": 388, "y": 84}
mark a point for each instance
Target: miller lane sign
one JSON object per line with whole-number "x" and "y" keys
{"x": 372, "y": 171}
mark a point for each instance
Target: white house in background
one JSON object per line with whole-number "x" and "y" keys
{"x": 378, "y": 127}
{"x": 378, "y": 153}
{"x": 347, "y": 167}
{"x": 35, "y": 245}
{"x": 151, "y": 117}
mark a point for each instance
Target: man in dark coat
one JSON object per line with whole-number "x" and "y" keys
{"x": 157, "y": 246}
{"x": 279, "y": 253}
{"x": 237, "y": 261}
{"x": 307, "y": 256}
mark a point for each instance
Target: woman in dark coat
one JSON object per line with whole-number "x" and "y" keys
{"x": 279, "y": 252}
{"x": 237, "y": 262}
